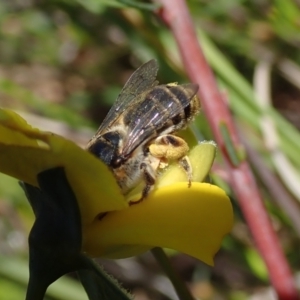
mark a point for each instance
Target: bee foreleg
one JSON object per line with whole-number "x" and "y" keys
{"x": 186, "y": 165}
{"x": 149, "y": 178}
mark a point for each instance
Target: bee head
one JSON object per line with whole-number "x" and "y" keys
{"x": 106, "y": 148}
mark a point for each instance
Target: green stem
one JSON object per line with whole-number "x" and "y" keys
{"x": 163, "y": 260}
{"x": 36, "y": 290}
{"x": 100, "y": 285}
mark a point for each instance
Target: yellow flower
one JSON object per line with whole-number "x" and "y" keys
{"x": 191, "y": 220}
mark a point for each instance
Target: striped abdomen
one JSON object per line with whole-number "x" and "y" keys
{"x": 161, "y": 110}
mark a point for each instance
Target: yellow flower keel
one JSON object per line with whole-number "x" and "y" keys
{"x": 191, "y": 220}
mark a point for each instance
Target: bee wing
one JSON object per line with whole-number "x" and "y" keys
{"x": 155, "y": 116}
{"x": 141, "y": 80}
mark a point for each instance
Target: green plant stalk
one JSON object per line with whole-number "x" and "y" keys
{"x": 241, "y": 95}
{"x": 176, "y": 15}
{"x": 244, "y": 93}
{"x": 100, "y": 285}
{"x": 163, "y": 260}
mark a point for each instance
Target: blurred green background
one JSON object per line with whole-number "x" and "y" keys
{"x": 62, "y": 65}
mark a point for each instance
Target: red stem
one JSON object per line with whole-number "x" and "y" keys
{"x": 176, "y": 16}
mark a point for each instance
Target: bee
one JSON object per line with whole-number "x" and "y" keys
{"x": 137, "y": 137}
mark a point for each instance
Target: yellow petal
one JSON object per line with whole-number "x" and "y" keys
{"x": 9, "y": 121}
{"x": 191, "y": 220}
{"x": 93, "y": 184}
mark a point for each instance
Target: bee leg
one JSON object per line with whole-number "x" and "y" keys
{"x": 149, "y": 177}
{"x": 173, "y": 148}
{"x": 187, "y": 167}
{"x": 170, "y": 147}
